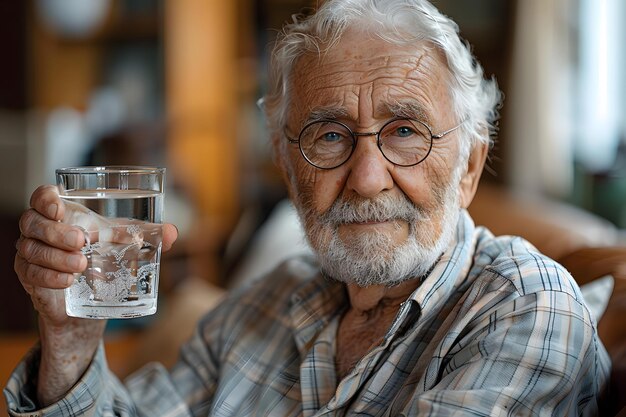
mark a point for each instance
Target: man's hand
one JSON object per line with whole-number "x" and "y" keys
{"x": 48, "y": 254}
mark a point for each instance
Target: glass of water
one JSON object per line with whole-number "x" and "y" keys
{"x": 120, "y": 209}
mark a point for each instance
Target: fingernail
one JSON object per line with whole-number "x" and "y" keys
{"x": 71, "y": 238}
{"x": 52, "y": 211}
{"x": 74, "y": 261}
{"x": 69, "y": 280}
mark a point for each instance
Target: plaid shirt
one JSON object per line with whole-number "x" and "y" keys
{"x": 495, "y": 330}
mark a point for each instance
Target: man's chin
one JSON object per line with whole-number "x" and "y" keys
{"x": 364, "y": 282}
{"x": 379, "y": 282}
{"x": 393, "y": 228}
{"x": 374, "y": 261}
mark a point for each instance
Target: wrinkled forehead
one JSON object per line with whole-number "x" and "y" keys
{"x": 355, "y": 67}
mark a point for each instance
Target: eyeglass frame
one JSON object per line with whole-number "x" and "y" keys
{"x": 355, "y": 135}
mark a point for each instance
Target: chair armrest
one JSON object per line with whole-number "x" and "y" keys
{"x": 617, "y": 393}
{"x": 589, "y": 263}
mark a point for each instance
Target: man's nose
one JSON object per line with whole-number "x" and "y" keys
{"x": 369, "y": 170}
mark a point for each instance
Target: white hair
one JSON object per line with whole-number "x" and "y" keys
{"x": 475, "y": 99}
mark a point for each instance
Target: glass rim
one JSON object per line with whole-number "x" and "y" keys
{"x": 111, "y": 169}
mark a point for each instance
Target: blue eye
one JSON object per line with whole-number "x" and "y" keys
{"x": 331, "y": 137}
{"x": 404, "y": 131}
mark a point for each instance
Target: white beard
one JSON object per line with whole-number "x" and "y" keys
{"x": 373, "y": 258}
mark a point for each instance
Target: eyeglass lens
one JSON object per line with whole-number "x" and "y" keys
{"x": 328, "y": 144}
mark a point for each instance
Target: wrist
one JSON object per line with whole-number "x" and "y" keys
{"x": 66, "y": 352}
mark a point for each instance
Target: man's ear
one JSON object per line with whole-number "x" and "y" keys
{"x": 470, "y": 179}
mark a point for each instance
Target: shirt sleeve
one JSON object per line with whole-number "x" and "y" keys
{"x": 538, "y": 354}
{"x": 184, "y": 391}
{"x": 93, "y": 395}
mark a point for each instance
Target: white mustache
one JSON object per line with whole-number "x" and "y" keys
{"x": 383, "y": 208}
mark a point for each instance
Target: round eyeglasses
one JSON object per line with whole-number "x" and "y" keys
{"x": 328, "y": 144}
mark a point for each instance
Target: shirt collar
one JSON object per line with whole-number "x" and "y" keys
{"x": 451, "y": 269}
{"x": 313, "y": 306}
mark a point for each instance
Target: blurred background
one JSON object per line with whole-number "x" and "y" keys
{"x": 174, "y": 83}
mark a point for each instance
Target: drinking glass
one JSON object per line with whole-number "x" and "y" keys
{"x": 120, "y": 210}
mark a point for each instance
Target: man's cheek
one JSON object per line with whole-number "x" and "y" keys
{"x": 290, "y": 167}
{"x": 308, "y": 183}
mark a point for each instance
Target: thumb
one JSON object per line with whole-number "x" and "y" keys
{"x": 170, "y": 234}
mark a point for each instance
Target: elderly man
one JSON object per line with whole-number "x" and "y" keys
{"x": 381, "y": 122}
